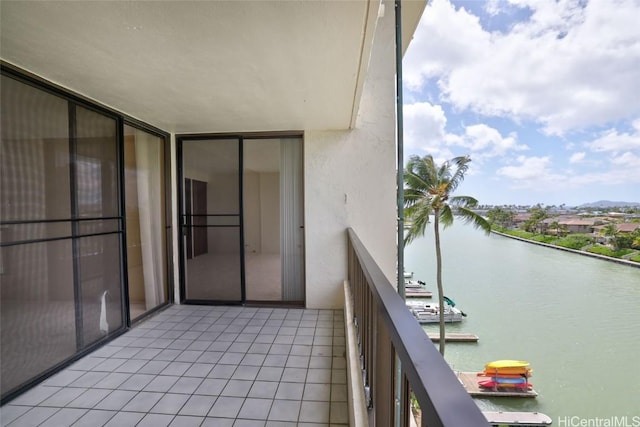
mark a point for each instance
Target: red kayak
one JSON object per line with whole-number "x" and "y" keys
{"x": 495, "y": 384}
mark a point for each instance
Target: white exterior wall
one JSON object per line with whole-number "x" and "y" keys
{"x": 350, "y": 181}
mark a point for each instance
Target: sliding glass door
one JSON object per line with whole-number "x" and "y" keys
{"x": 68, "y": 170}
{"x": 242, "y": 219}
{"x": 60, "y": 230}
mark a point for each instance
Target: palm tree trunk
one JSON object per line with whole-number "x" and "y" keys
{"x": 436, "y": 230}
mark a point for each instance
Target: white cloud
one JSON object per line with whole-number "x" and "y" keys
{"x": 528, "y": 169}
{"x": 577, "y": 157}
{"x": 570, "y": 66}
{"x": 488, "y": 141}
{"x": 537, "y": 174}
{"x": 424, "y": 129}
{"x": 614, "y": 141}
{"x": 493, "y": 7}
{"x": 628, "y": 160}
{"x": 441, "y": 43}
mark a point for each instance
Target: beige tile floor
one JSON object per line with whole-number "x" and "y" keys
{"x": 202, "y": 366}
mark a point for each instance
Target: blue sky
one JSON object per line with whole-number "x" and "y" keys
{"x": 544, "y": 96}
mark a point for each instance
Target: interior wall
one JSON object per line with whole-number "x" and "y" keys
{"x": 222, "y": 198}
{"x": 261, "y": 212}
{"x": 251, "y": 193}
{"x": 350, "y": 181}
{"x": 270, "y": 212}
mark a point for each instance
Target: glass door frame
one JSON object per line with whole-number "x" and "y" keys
{"x": 183, "y": 221}
{"x": 168, "y": 214}
{"x": 180, "y": 138}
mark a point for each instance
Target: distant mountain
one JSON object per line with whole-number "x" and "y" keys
{"x": 608, "y": 204}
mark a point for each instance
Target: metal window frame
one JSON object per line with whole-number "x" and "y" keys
{"x": 74, "y": 101}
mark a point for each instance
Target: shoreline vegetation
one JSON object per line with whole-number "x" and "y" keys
{"x": 576, "y": 243}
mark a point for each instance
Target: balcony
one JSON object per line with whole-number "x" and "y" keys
{"x": 202, "y": 366}
{"x": 244, "y": 366}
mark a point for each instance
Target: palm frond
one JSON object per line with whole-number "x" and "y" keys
{"x": 464, "y": 201}
{"x": 418, "y": 217}
{"x": 446, "y": 216}
{"x": 474, "y": 218}
{"x": 462, "y": 165}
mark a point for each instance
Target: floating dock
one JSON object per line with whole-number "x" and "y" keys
{"x": 470, "y": 382}
{"x": 453, "y": 337}
{"x": 527, "y": 419}
{"x": 409, "y": 293}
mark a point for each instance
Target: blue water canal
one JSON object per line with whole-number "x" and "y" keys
{"x": 576, "y": 319}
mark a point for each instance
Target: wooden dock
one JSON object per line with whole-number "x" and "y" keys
{"x": 417, "y": 294}
{"x": 517, "y": 418}
{"x": 470, "y": 382}
{"x": 453, "y": 337}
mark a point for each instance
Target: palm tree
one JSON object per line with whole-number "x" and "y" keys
{"x": 535, "y": 221}
{"x": 428, "y": 191}
{"x": 611, "y": 232}
{"x": 564, "y": 230}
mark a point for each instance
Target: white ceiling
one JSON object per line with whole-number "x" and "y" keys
{"x": 204, "y": 66}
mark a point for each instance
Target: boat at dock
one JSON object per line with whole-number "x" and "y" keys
{"x": 414, "y": 284}
{"x": 426, "y": 312}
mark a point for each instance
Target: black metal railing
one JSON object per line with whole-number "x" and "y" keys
{"x": 387, "y": 334}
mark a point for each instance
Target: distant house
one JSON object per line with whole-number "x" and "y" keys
{"x": 573, "y": 224}
{"x": 578, "y": 225}
{"x": 627, "y": 227}
{"x": 623, "y": 228}
{"x": 520, "y": 219}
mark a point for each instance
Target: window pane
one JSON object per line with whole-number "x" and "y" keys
{"x": 96, "y": 165}
{"x": 34, "y": 154}
{"x": 216, "y": 274}
{"x": 37, "y": 309}
{"x": 36, "y": 296}
{"x": 99, "y": 268}
{"x": 212, "y": 242}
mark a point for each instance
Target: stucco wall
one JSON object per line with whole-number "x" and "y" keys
{"x": 350, "y": 181}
